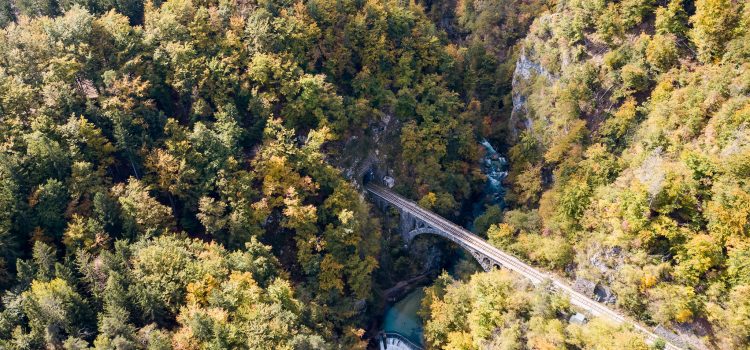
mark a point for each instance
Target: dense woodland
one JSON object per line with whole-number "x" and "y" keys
{"x": 497, "y": 310}
{"x": 174, "y": 173}
{"x": 629, "y": 158}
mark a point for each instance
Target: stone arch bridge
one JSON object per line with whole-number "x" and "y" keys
{"x": 415, "y": 220}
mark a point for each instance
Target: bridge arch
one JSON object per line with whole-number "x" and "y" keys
{"x": 483, "y": 260}
{"x": 410, "y": 226}
{"x": 409, "y": 236}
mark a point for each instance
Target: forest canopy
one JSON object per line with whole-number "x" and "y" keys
{"x": 185, "y": 173}
{"x": 133, "y": 134}
{"x": 629, "y": 163}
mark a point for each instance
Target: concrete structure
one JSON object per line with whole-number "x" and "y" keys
{"x": 389, "y": 181}
{"x": 395, "y": 341}
{"x": 578, "y": 318}
{"x": 416, "y": 220}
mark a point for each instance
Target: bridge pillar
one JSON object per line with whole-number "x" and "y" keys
{"x": 411, "y": 226}
{"x": 383, "y": 205}
{"x": 403, "y": 222}
{"x": 484, "y": 261}
{"x": 408, "y": 222}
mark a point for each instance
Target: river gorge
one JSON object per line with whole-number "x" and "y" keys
{"x": 402, "y": 316}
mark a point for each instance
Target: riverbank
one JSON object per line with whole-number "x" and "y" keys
{"x": 402, "y": 317}
{"x": 403, "y": 300}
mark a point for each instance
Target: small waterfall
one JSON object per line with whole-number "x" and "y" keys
{"x": 494, "y": 167}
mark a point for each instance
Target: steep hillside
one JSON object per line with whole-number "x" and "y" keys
{"x": 630, "y": 157}
{"x": 216, "y": 121}
{"x": 496, "y": 310}
{"x": 183, "y": 173}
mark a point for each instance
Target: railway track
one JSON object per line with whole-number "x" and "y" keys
{"x": 471, "y": 241}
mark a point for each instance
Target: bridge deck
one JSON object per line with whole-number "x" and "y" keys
{"x": 472, "y": 241}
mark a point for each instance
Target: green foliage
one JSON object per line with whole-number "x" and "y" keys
{"x": 86, "y": 234}
{"x": 634, "y": 78}
{"x": 142, "y": 214}
{"x": 6, "y": 13}
{"x": 498, "y": 311}
{"x": 238, "y": 314}
{"x": 500, "y": 235}
{"x": 48, "y": 202}
{"x": 643, "y": 136}
{"x": 662, "y": 52}
{"x": 171, "y": 150}
{"x": 33, "y": 8}
{"x": 492, "y": 215}
{"x": 727, "y": 212}
{"x": 634, "y": 11}
{"x": 737, "y": 319}
{"x": 220, "y": 121}
{"x": 552, "y": 252}
{"x": 672, "y": 19}
{"x": 55, "y": 311}
{"x": 163, "y": 269}
{"x": 713, "y": 26}
{"x": 609, "y": 26}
